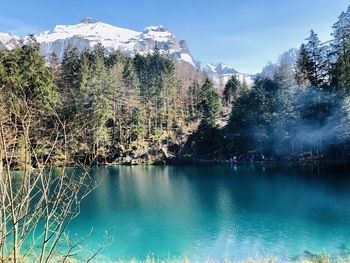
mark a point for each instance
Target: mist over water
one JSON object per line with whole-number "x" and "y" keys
{"x": 312, "y": 120}
{"x": 328, "y": 127}
{"x": 218, "y": 212}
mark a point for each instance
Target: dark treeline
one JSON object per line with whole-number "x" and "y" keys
{"x": 299, "y": 106}
{"x": 112, "y": 106}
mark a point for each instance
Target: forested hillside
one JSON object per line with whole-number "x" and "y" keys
{"x": 298, "y": 108}
{"x": 113, "y": 108}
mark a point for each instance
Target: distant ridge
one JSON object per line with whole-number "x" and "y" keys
{"x": 220, "y": 73}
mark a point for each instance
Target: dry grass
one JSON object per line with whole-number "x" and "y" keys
{"x": 319, "y": 259}
{"x": 153, "y": 259}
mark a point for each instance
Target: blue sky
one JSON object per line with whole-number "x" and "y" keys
{"x": 246, "y": 34}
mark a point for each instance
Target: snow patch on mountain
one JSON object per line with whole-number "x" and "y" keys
{"x": 187, "y": 58}
{"x": 220, "y": 73}
{"x": 8, "y": 40}
{"x": 156, "y": 33}
{"x": 222, "y": 69}
{"x": 96, "y": 32}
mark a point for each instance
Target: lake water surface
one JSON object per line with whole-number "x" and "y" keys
{"x": 218, "y": 212}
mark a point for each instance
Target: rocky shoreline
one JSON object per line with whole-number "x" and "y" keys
{"x": 193, "y": 160}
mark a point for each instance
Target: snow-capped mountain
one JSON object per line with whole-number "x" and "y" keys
{"x": 221, "y": 73}
{"x": 8, "y": 40}
{"x": 89, "y": 32}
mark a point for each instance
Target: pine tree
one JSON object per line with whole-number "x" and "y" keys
{"x": 210, "y": 105}
{"x": 171, "y": 116}
{"x": 142, "y": 66}
{"x": 131, "y": 97}
{"x": 137, "y": 126}
{"x": 251, "y": 117}
{"x": 29, "y": 101}
{"x": 70, "y": 69}
{"x": 119, "y": 103}
{"x": 284, "y": 74}
{"x": 69, "y": 83}
{"x": 26, "y": 78}
{"x": 193, "y": 97}
{"x": 302, "y": 65}
{"x": 341, "y": 53}
{"x": 101, "y": 100}
{"x": 82, "y": 93}
{"x": 231, "y": 89}
{"x": 239, "y": 131}
{"x": 316, "y": 64}
{"x": 54, "y": 67}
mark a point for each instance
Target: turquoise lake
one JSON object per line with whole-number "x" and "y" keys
{"x": 218, "y": 212}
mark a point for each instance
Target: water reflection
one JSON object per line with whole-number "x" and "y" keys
{"x": 219, "y": 211}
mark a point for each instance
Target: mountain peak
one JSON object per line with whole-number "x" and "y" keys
{"x": 158, "y": 28}
{"x": 88, "y": 20}
{"x": 89, "y": 32}
{"x": 221, "y": 68}
{"x": 220, "y": 73}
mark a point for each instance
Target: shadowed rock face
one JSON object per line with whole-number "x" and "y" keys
{"x": 58, "y": 46}
{"x": 89, "y": 32}
{"x": 88, "y": 20}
